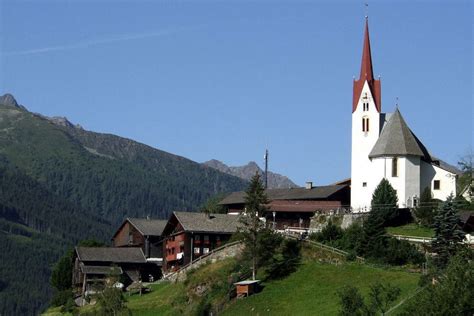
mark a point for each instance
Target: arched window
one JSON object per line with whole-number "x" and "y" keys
{"x": 365, "y": 124}
{"x": 394, "y": 167}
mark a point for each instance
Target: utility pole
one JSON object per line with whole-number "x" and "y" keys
{"x": 266, "y": 168}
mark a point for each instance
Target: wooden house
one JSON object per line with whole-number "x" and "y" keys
{"x": 189, "y": 235}
{"x": 294, "y": 207}
{"x": 144, "y": 233}
{"x": 93, "y": 265}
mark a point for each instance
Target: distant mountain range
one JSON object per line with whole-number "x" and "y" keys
{"x": 60, "y": 183}
{"x": 246, "y": 172}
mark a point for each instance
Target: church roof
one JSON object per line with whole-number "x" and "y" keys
{"x": 396, "y": 139}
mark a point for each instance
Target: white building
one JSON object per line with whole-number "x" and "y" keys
{"x": 383, "y": 146}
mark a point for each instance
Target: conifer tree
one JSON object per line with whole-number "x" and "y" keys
{"x": 384, "y": 205}
{"x": 256, "y": 202}
{"x": 448, "y": 236}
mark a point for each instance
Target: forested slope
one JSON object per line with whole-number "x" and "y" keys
{"x": 60, "y": 183}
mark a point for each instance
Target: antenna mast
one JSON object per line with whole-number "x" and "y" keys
{"x": 266, "y": 168}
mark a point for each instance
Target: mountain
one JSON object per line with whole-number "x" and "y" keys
{"x": 60, "y": 183}
{"x": 246, "y": 172}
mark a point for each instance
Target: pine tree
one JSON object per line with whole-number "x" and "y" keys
{"x": 383, "y": 210}
{"x": 256, "y": 202}
{"x": 448, "y": 236}
{"x": 385, "y": 202}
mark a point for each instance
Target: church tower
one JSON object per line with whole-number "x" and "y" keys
{"x": 366, "y": 126}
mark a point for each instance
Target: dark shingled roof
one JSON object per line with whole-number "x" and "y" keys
{"x": 111, "y": 254}
{"x": 200, "y": 222}
{"x": 148, "y": 227}
{"x": 396, "y": 139}
{"x": 445, "y": 166}
{"x": 315, "y": 193}
{"x": 101, "y": 270}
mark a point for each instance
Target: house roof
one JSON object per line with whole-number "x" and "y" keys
{"x": 148, "y": 227}
{"x": 396, "y": 139}
{"x": 201, "y": 222}
{"x": 315, "y": 193}
{"x": 445, "y": 166}
{"x": 111, "y": 254}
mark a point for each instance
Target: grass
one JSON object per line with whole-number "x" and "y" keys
{"x": 411, "y": 229}
{"x": 312, "y": 289}
{"x": 157, "y": 302}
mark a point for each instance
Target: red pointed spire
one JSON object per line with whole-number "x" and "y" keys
{"x": 366, "y": 71}
{"x": 367, "y": 74}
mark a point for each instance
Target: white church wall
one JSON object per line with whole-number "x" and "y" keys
{"x": 447, "y": 181}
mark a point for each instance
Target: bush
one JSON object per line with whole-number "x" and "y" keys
{"x": 61, "y": 298}
{"x": 399, "y": 252}
{"x": 329, "y": 233}
{"x": 285, "y": 260}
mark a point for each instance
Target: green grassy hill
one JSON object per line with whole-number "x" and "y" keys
{"x": 60, "y": 183}
{"x": 311, "y": 290}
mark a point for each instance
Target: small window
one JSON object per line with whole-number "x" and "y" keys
{"x": 197, "y": 238}
{"x": 172, "y": 251}
{"x": 205, "y": 250}
{"x": 395, "y": 167}
{"x": 197, "y": 250}
{"x": 206, "y": 237}
{"x": 365, "y": 106}
{"x": 364, "y": 184}
{"x": 436, "y": 184}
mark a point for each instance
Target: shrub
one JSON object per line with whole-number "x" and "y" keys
{"x": 329, "y": 233}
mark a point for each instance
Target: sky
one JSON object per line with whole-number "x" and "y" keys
{"x": 227, "y": 79}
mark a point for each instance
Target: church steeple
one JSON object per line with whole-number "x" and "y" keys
{"x": 366, "y": 71}
{"x": 367, "y": 74}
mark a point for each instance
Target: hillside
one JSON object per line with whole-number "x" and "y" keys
{"x": 61, "y": 183}
{"x": 247, "y": 171}
{"x": 311, "y": 290}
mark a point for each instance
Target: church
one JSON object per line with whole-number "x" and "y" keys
{"x": 383, "y": 146}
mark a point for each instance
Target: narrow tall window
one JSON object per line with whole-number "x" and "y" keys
{"x": 365, "y": 124}
{"x": 436, "y": 184}
{"x": 395, "y": 167}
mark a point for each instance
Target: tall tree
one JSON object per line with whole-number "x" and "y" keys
{"x": 256, "y": 202}
{"x": 383, "y": 210}
{"x": 385, "y": 202}
{"x": 448, "y": 235}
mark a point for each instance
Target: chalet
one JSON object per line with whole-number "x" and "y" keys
{"x": 144, "y": 233}
{"x": 189, "y": 235}
{"x": 93, "y": 265}
{"x": 294, "y": 207}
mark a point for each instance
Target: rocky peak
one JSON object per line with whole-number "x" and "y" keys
{"x": 9, "y": 100}
{"x": 247, "y": 171}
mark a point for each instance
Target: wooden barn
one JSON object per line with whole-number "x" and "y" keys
{"x": 294, "y": 207}
{"x": 93, "y": 265}
{"x": 144, "y": 233}
{"x": 189, "y": 235}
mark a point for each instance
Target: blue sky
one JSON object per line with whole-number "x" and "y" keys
{"x": 227, "y": 79}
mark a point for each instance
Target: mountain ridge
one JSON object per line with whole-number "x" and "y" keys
{"x": 246, "y": 172}
{"x": 62, "y": 183}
